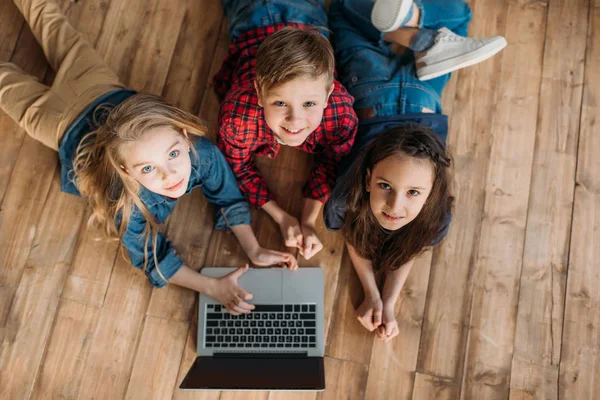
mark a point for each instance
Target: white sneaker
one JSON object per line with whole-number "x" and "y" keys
{"x": 451, "y": 52}
{"x": 388, "y": 15}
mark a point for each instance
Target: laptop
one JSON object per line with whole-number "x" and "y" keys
{"x": 278, "y": 346}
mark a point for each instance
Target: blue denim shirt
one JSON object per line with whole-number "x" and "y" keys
{"x": 210, "y": 172}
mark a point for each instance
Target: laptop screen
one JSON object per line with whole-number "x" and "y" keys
{"x": 261, "y": 372}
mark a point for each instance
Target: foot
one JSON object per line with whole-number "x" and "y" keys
{"x": 451, "y": 52}
{"x": 389, "y": 15}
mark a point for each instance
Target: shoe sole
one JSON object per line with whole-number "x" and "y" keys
{"x": 387, "y": 15}
{"x": 466, "y": 60}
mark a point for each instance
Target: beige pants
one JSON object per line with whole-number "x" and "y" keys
{"x": 81, "y": 76}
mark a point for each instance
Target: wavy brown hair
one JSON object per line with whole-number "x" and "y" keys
{"x": 97, "y": 165}
{"x": 389, "y": 250}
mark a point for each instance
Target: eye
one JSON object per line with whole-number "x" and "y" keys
{"x": 385, "y": 186}
{"x": 173, "y": 154}
{"x": 147, "y": 169}
{"x": 279, "y": 104}
{"x": 309, "y": 104}
{"x": 413, "y": 193}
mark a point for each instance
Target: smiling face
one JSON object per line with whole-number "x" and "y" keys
{"x": 295, "y": 109}
{"x": 160, "y": 161}
{"x": 399, "y": 186}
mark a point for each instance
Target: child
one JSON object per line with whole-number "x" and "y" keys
{"x": 277, "y": 88}
{"x": 394, "y": 199}
{"x": 136, "y": 164}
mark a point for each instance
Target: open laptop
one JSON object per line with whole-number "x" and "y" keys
{"x": 278, "y": 346}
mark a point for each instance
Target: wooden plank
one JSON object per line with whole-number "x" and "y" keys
{"x": 433, "y": 387}
{"x": 139, "y": 52}
{"x": 498, "y": 263}
{"x": 157, "y": 360}
{"x": 348, "y": 339}
{"x": 107, "y": 368}
{"x": 450, "y": 287}
{"x": 30, "y": 318}
{"x": 580, "y": 360}
{"x": 344, "y": 380}
{"x": 67, "y": 350}
{"x": 538, "y": 333}
{"x": 11, "y": 22}
{"x": 194, "y": 55}
{"x": 393, "y": 364}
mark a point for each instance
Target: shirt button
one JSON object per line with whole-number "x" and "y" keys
{"x": 354, "y": 79}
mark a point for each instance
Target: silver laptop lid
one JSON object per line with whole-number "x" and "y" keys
{"x": 270, "y": 286}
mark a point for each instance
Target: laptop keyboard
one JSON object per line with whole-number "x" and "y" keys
{"x": 271, "y": 326}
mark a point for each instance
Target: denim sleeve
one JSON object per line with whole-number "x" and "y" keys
{"x": 134, "y": 241}
{"x": 334, "y": 211}
{"x": 220, "y": 188}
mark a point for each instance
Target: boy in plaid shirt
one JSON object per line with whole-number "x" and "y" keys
{"x": 276, "y": 88}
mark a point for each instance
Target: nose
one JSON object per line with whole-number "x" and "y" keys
{"x": 396, "y": 202}
{"x": 292, "y": 115}
{"x": 167, "y": 172}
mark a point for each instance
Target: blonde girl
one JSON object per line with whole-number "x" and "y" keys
{"x": 131, "y": 155}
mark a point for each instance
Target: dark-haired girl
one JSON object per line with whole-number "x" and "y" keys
{"x": 391, "y": 199}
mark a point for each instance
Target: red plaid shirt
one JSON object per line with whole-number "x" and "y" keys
{"x": 244, "y": 132}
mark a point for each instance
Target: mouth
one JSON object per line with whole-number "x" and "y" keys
{"x": 391, "y": 217}
{"x": 175, "y": 187}
{"x": 293, "y": 131}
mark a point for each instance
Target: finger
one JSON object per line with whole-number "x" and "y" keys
{"x": 229, "y": 308}
{"x": 238, "y": 272}
{"x": 389, "y": 328}
{"x": 381, "y": 332}
{"x": 365, "y": 320}
{"x": 238, "y": 309}
{"x": 243, "y": 295}
{"x": 243, "y": 305}
{"x": 377, "y": 318}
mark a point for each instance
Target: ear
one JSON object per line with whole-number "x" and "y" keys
{"x": 329, "y": 94}
{"x": 260, "y": 103}
{"x": 368, "y": 180}
{"x": 124, "y": 169}
{"x": 185, "y": 134}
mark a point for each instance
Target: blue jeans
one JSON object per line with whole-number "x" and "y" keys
{"x": 244, "y": 15}
{"x": 381, "y": 81}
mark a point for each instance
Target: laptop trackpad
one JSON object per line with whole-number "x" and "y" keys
{"x": 264, "y": 283}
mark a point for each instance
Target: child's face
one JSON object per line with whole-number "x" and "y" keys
{"x": 160, "y": 161}
{"x": 399, "y": 186}
{"x": 295, "y": 109}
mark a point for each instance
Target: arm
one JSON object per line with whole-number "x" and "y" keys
{"x": 394, "y": 281}
{"x": 237, "y": 145}
{"x": 369, "y": 313}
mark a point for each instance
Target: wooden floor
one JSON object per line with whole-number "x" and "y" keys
{"x": 507, "y": 307}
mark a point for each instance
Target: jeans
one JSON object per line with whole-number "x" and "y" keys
{"x": 244, "y": 15}
{"x": 382, "y": 82}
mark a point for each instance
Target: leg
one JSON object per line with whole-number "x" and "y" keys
{"x": 18, "y": 92}
{"x": 81, "y": 74}
{"x": 382, "y": 83}
{"x": 244, "y": 15}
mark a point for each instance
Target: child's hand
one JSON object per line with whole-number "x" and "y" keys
{"x": 389, "y": 328}
{"x": 227, "y": 292}
{"x": 264, "y": 257}
{"x": 290, "y": 230}
{"x": 311, "y": 244}
{"x": 369, "y": 313}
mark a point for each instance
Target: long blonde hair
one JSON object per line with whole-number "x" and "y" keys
{"x": 98, "y": 174}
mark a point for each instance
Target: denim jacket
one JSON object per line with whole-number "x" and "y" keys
{"x": 212, "y": 174}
